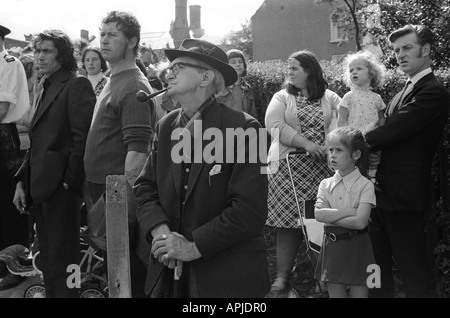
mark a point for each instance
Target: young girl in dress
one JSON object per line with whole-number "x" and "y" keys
{"x": 361, "y": 108}
{"x": 344, "y": 203}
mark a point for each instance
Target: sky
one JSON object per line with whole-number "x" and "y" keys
{"x": 218, "y": 17}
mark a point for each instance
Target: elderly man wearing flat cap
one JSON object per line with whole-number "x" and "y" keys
{"x": 203, "y": 210}
{"x": 14, "y": 102}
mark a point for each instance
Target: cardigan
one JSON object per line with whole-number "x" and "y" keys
{"x": 281, "y": 114}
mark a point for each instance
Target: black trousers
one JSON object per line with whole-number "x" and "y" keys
{"x": 58, "y": 231}
{"x": 13, "y": 225}
{"x": 399, "y": 237}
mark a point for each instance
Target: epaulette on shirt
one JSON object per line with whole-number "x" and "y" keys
{"x": 9, "y": 58}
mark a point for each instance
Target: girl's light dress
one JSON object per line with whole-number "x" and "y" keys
{"x": 363, "y": 106}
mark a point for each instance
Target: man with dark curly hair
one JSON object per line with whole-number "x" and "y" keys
{"x": 50, "y": 179}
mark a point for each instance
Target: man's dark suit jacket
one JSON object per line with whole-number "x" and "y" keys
{"x": 408, "y": 142}
{"x": 58, "y": 134}
{"x": 224, "y": 214}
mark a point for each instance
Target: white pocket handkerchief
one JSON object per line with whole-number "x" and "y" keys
{"x": 215, "y": 170}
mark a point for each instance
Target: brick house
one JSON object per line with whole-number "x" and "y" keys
{"x": 281, "y": 27}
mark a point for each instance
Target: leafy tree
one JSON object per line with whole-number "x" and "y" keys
{"x": 350, "y": 17}
{"x": 434, "y": 14}
{"x": 241, "y": 40}
{"x": 380, "y": 17}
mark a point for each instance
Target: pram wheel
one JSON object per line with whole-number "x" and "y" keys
{"x": 34, "y": 291}
{"x": 92, "y": 292}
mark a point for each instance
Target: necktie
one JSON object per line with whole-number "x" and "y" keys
{"x": 396, "y": 106}
{"x": 407, "y": 90}
{"x": 39, "y": 93}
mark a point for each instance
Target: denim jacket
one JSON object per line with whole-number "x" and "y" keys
{"x": 248, "y": 103}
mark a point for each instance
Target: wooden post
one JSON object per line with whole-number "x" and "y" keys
{"x": 117, "y": 245}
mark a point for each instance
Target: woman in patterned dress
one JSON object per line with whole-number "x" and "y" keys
{"x": 298, "y": 118}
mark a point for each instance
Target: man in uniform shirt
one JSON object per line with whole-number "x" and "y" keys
{"x": 14, "y": 102}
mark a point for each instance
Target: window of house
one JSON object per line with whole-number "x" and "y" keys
{"x": 373, "y": 13}
{"x": 338, "y": 34}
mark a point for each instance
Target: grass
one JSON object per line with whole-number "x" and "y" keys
{"x": 304, "y": 284}
{"x": 302, "y": 276}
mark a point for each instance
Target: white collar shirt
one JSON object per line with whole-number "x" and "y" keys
{"x": 13, "y": 88}
{"x": 345, "y": 192}
{"x": 416, "y": 78}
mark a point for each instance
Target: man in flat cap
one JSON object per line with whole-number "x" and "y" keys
{"x": 14, "y": 102}
{"x": 204, "y": 210}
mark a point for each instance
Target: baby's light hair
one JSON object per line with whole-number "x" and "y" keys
{"x": 352, "y": 139}
{"x": 376, "y": 68}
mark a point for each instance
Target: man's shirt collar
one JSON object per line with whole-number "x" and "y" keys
{"x": 187, "y": 124}
{"x": 420, "y": 75}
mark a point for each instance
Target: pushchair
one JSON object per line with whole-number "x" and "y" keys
{"x": 312, "y": 230}
{"x": 17, "y": 260}
{"x": 93, "y": 237}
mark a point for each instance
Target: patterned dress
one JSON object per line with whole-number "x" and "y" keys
{"x": 307, "y": 173}
{"x": 363, "y": 106}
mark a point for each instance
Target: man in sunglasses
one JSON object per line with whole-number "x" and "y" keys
{"x": 203, "y": 211}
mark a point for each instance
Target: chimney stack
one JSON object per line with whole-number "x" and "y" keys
{"x": 84, "y": 34}
{"x": 195, "y": 20}
{"x": 179, "y": 28}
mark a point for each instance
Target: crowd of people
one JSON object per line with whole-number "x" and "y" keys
{"x": 70, "y": 117}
